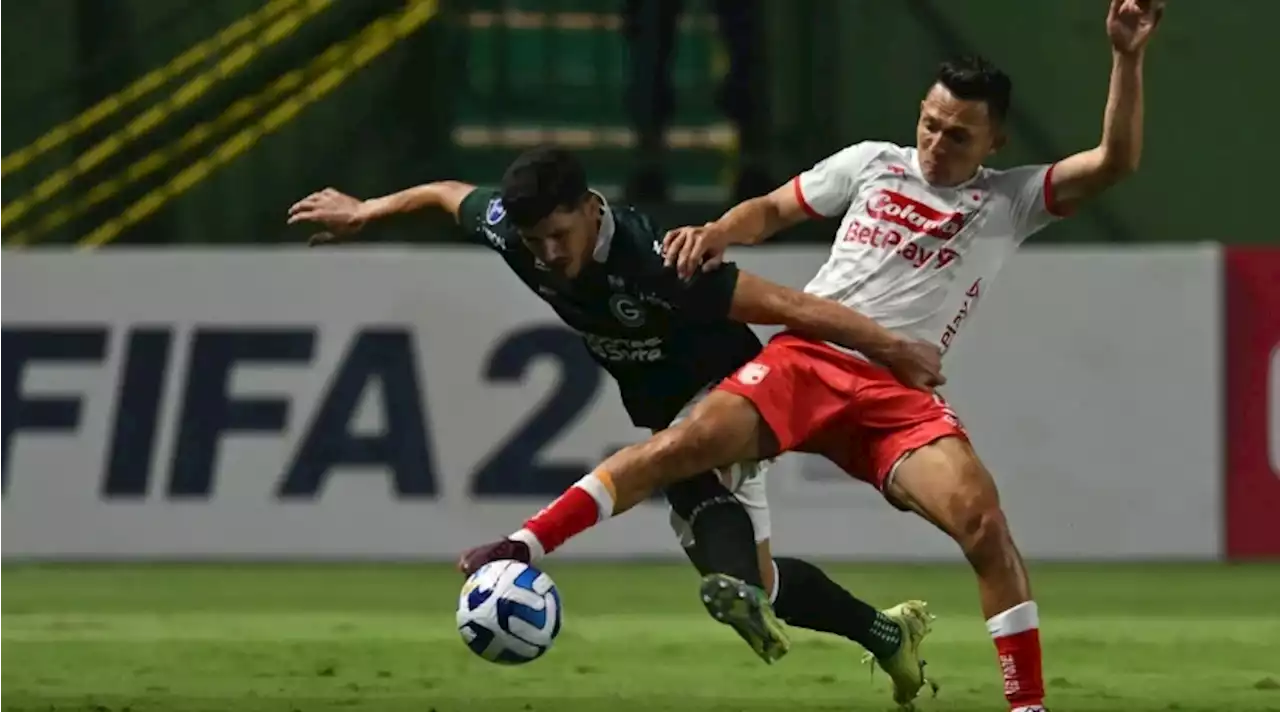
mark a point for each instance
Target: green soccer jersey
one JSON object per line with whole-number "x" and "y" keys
{"x": 662, "y": 339}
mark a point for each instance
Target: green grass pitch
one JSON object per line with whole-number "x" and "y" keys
{"x": 316, "y": 638}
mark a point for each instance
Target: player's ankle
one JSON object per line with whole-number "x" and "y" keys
{"x": 890, "y": 650}
{"x": 887, "y": 637}
{"x": 530, "y": 540}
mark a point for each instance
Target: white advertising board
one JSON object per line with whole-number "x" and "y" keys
{"x": 281, "y": 403}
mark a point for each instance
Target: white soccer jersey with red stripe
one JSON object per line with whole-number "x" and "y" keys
{"x": 917, "y": 258}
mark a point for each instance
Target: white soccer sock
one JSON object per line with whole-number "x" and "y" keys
{"x": 602, "y": 493}
{"x": 777, "y": 582}
{"x": 1020, "y": 618}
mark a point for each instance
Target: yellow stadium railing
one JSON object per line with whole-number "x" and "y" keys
{"x": 314, "y": 82}
{"x": 193, "y": 89}
{"x": 163, "y": 157}
{"x": 148, "y": 83}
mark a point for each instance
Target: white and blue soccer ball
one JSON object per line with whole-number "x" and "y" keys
{"x": 509, "y": 612}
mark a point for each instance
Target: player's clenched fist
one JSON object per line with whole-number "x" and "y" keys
{"x": 338, "y": 213}
{"x": 1130, "y": 23}
{"x": 688, "y": 248}
{"x": 916, "y": 364}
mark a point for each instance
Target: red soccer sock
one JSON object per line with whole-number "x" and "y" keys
{"x": 581, "y": 507}
{"x": 1017, "y": 637}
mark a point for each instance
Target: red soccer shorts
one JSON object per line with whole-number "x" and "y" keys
{"x": 820, "y": 400}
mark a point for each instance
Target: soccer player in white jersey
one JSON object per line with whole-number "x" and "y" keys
{"x": 923, "y": 231}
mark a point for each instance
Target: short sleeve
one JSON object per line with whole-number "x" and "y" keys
{"x": 827, "y": 189}
{"x": 481, "y": 217}
{"x": 1029, "y": 190}
{"x": 706, "y": 297}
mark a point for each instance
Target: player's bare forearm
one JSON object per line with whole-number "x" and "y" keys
{"x": 758, "y": 301}
{"x": 754, "y": 221}
{"x": 442, "y": 195}
{"x": 1085, "y": 175}
{"x": 1122, "y": 123}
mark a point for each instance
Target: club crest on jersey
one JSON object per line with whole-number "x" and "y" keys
{"x": 496, "y": 211}
{"x": 627, "y": 310}
{"x": 752, "y": 373}
{"x": 892, "y": 206}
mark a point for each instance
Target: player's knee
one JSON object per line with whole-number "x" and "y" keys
{"x": 982, "y": 530}
{"x": 683, "y": 450}
{"x": 970, "y": 508}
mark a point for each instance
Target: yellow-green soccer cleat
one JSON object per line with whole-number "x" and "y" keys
{"x": 905, "y": 667}
{"x": 746, "y": 609}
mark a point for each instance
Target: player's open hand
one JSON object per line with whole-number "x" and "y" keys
{"x": 917, "y": 364}
{"x": 692, "y": 248}
{"x": 1130, "y": 23}
{"x": 336, "y": 212}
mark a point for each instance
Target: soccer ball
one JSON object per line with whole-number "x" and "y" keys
{"x": 509, "y": 612}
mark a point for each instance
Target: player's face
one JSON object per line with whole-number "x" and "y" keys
{"x": 954, "y": 136}
{"x": 565, "y": 239}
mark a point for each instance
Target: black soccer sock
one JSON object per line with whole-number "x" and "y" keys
{"x": 807, "y": 598}
{"x": 724, "y": 537}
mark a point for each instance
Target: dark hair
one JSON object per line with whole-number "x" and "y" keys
{"x": 973, "y": 78}
{"x": 541, "y": 181}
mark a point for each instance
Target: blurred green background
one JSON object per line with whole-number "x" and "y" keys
{"x": 458, "y": 95}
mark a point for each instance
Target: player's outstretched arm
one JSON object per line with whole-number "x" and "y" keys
{"x": 747, "y": 223}
{"x": 756, "y": 300}
{"x": 341, "y": 215}
{"x": 1130, "y": 24}
{"x": 758, "y": 219}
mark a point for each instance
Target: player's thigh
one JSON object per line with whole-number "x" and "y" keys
{"x": 796, "y": 388}
{"x": 722, "y": 417}
{"x": 946, "y": 483}
{"x": 887, "y": 423}
{"x": 722, "y": 429}
{"x": 897, "y": 414}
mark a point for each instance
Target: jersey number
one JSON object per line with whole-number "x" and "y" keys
{"x": 515, "y": 468}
